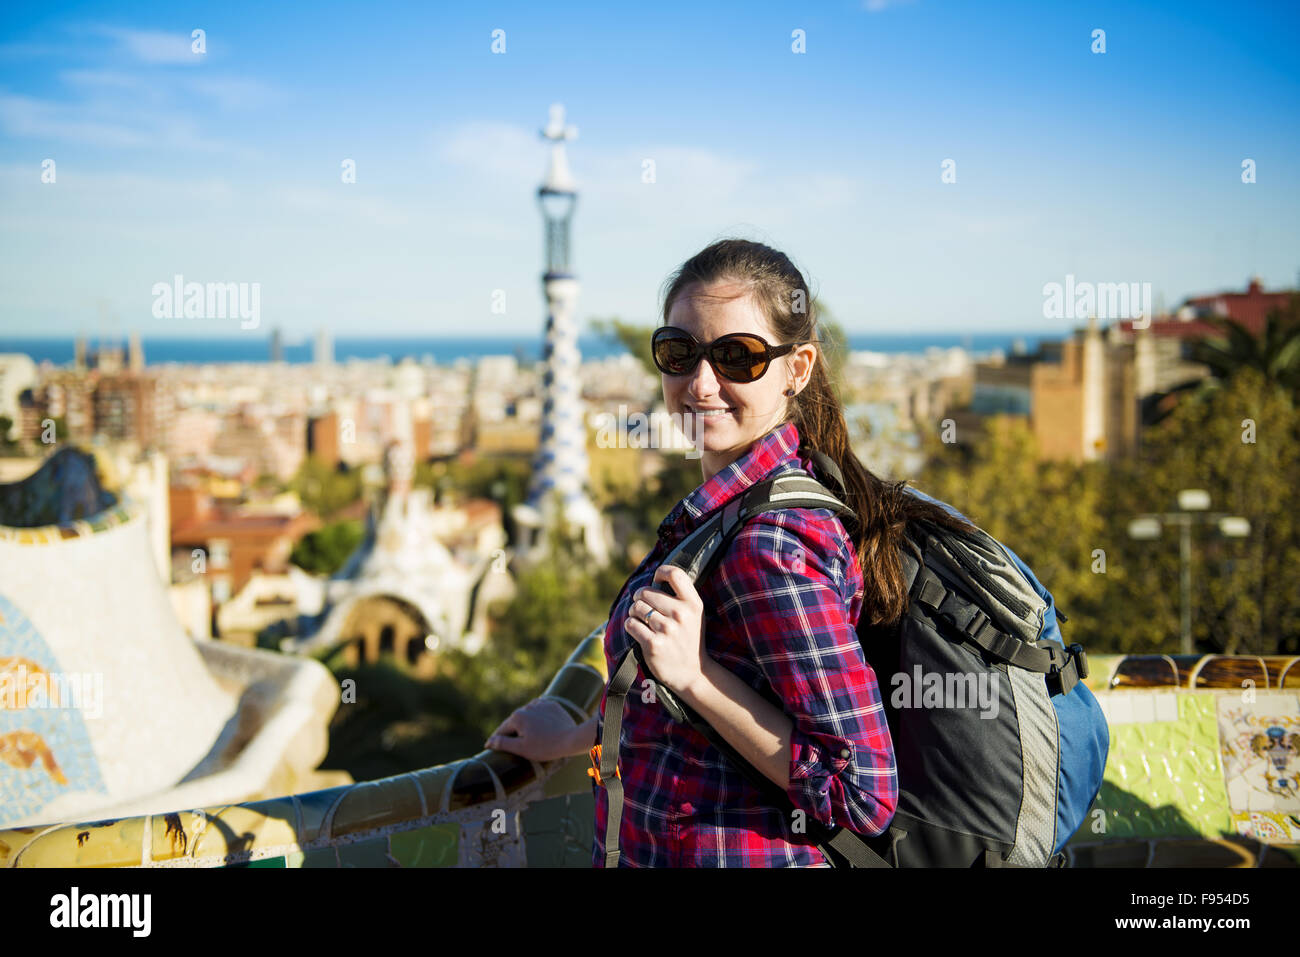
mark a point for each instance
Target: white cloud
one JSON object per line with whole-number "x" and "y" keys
{"x": 22, "y": 116}
{"x": 101, "y": 79}
{"x": 501, "y": 149}
{"x": 154, "y": 46}
{"x": 343, "y": 201}
{"x": 236, "y": 92}
{"x": 99, "y": 123}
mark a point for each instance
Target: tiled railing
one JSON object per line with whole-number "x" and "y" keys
{"x": 496, "y": 809}
{"x": 493, "y": 809}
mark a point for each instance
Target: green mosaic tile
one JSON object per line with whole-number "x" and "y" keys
{"x": 320, "y": 857}
{"x": 544, "y": 816}
{"x": 1163, "y": 778}
{"x": 294, "y": 859}
{"x": 559, "y": 831}
{"x": 264, "y": 862}
{"x": 433, "y": 846}
{"x": 365, "y": 854}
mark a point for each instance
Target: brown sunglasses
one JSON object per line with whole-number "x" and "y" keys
{"x": 739, "y": 356}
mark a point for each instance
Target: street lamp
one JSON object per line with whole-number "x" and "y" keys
{"x": 1193, "y": 504}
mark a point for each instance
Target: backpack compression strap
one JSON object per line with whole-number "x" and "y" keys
{"x": 1063, "y": 667}
{"x": 697, "y": 554}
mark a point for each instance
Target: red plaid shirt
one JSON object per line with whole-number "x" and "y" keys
{"x": 780, "y": 612}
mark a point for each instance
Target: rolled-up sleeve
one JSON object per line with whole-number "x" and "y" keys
{"x": 783, "y": 587}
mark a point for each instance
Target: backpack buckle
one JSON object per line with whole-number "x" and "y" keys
{"x": 594, "y": 770}
{"x": 1062, "y": 679}
{"x": 1081, "y": 659}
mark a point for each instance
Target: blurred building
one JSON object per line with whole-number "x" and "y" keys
{"x": 226, "y": 544}
{"x": 323, "y": 353}
{"x": 323, "y": 438}
{"x": 128, "y": 406}
{"x": 1088, "y": 396}
{"x": 275, "y": 444}
{"x": 1250, "y": 308}
{"x": 17, "y": 375}
{"x": 403, "y": 592}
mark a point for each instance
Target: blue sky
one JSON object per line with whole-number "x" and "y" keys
{"x": 1123, "y": 166}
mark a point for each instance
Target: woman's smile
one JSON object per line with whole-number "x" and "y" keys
{"x": 705, "y": 413}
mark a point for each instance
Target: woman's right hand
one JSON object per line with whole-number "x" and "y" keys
{"x": 541, "y": 730}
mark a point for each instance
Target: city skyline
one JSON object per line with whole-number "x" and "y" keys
{"x": 228, "y": 166}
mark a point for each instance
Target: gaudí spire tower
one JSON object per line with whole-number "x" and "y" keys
{"x": 560, "y": 468}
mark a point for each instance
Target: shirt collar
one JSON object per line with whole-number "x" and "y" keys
{"x": 777, "y": 450}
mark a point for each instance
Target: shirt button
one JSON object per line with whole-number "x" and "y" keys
{"x": 844, "y": 753}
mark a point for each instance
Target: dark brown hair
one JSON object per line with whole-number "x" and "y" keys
{"x": 883, "y": 508}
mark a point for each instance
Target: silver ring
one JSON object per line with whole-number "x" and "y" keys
{"x": 646, "y": 619}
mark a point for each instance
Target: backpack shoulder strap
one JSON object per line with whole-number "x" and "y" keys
{"x": 699, "y": 552}
{"x": 697, "y": 555}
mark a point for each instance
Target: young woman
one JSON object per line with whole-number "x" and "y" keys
{"x": 765, "y": 649}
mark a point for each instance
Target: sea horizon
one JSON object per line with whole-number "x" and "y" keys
{"x": 443, "y": 350}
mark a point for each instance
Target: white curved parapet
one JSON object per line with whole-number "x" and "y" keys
{"x": 107, "y": 707}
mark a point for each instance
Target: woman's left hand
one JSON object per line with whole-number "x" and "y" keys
{"x": 673, "y": 643}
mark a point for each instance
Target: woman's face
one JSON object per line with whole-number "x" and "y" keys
{"x": 723, "y": 418}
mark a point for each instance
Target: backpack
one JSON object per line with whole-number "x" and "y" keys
{"x": 1003, "y": 783}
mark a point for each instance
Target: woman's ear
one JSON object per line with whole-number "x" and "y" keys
{"x": 802, "y": 360}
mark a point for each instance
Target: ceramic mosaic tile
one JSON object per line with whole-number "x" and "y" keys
{"x": 433, "y": 846}
{"x": 1163, "y": 778}
{"x": 370, "y": 805}
{"x": 107, "y": 844}
{"x": 559, "y": 831}
{"x": 45, "y": 748}
{"x": 320, "y": 857}
{"x": 1260, "y": 736}
{"x": 372, "y": 853}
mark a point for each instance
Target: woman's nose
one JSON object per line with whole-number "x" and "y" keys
{"x": 704, "y": 381}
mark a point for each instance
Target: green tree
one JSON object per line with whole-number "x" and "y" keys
{"x": 324, "y": 551}
{"x": 325, "y": 490}
{"x": 8, "y": 446}
{"x": 1069, "y": 522}
{"x": 1050, "y": 514}
{"x": 835, "y": 345}
{"x": 634, "y": 337}
{"x": 557, "y": 602}
{"x": 1241, "y": 444}
{"x": 503, "y": 478}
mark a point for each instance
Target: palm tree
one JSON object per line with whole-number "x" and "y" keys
{"x": 1275, "y": 352}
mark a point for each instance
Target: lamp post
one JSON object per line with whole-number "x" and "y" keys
{"x": 1193, "y": 505}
